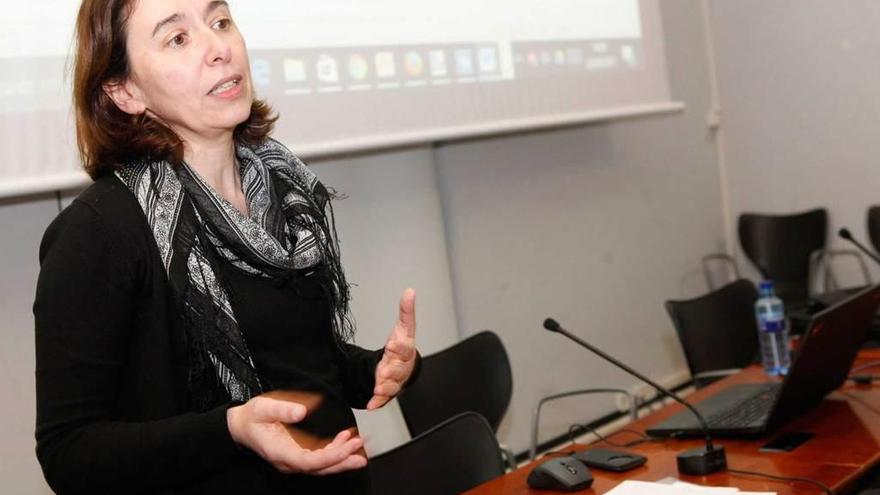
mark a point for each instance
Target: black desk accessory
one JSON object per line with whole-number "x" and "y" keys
{"x": 787, "y": 441}
{"x": 610, "y": 460}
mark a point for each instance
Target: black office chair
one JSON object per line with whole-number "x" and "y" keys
{"x": 717, "y": 331}
{"x": 472, "y": 375}
{"x": 781, "y": 246}
{"x": 874, "y": 227}
{"x": 456, "y": 455}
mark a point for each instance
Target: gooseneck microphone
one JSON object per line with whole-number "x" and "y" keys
{"x": 697, "y": 462}
{"x": 845, "y": 234}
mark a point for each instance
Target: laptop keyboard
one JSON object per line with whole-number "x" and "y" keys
{"x": 745, "y": 412}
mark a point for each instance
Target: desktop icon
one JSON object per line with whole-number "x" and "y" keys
{"x": 488, "y": 59}
{"x": 559, "y": 56}
{"x": 327, "y": 69}
{"x": 358, "y": 67}
{"x": 385, "y": 65}
{"x": 437, "y": 61}
{"x": 532, "y": 59}
{"x": 546, "y": 57}
{"x": 413, "y": 64}
{"x": 261, "y": 71}
{"x": 294, "y": 70}
{"x": 628, "y": 55}
{"x": 464, "y": 61}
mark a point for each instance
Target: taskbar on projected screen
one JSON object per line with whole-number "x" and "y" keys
{"x": 552, "y": 58}
{"x": 38, "y": 84}
{"x": 352, "y": 69}
{"x": 327, "y": 70}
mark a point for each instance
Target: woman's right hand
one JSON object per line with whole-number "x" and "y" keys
{"x": 259, "y": 424}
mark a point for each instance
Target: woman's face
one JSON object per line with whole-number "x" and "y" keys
{"x": 189, "y": 65}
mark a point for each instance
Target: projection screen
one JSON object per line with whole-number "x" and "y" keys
{"x": 351, "y": 75}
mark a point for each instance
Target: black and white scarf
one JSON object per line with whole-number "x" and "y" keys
{"x": 194, "y": 227}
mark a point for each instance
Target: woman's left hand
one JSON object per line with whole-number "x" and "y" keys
{"x": 399, "y": 357}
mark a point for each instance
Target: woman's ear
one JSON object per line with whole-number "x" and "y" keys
{"x": 125, "y": 95}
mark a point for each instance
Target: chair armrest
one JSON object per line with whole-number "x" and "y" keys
{"x": 536, "y": 414}
{"x": 508, "y": 456}
{"x": 706, "y": 377}
{"x": 721, "y": 257}
{"x": 716, "y": 373}
{"x": 820, "y": 262}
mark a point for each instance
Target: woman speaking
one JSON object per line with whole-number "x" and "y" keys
{"x": 192, "y": 325}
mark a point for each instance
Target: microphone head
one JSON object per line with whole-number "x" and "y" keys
{"x": 845, "y": 233}
{"x": 552, "y": 325}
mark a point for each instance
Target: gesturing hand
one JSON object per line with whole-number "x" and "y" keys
{"x": 260, "y": 425}
{"x": 399, "y": 357}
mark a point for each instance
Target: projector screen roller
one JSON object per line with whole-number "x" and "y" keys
{"x": 348, "y": 75}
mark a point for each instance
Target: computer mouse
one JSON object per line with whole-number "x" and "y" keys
{"x": 561, "y": 474}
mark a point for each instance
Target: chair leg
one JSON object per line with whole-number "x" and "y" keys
{"x": 536, "y": 414}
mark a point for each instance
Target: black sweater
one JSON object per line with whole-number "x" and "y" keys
{"x": 113, "y": 414}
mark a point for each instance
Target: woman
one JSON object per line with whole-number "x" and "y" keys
{"x": 192, "y": 311}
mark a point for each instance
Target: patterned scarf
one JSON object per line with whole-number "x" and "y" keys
{"x": 195, "y": 229}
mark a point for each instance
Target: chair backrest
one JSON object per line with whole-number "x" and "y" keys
{"x": 780, "y": 247}
{"x": 472, "y": 375}
{"x": 874, "y": 227}
{"x": 718, "y": 330}
{"x": 456, "y": 455}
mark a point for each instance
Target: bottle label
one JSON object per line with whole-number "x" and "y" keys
{"x": 772, "y": 325}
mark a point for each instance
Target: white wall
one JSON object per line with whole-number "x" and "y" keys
{"x": 799, "y": 89}
{"x": 22, "y": 222}
{"x": 596, "y": 225}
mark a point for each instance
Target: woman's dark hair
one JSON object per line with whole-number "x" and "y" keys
{"x": 107, "y": 137}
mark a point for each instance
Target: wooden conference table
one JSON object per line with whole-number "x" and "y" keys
{"x": 846, "y": 445}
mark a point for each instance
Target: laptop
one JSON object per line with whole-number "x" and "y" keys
{"x": 820, "y": 366}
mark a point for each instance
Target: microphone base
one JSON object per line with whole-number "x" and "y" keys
{"x": 701, "y": 461}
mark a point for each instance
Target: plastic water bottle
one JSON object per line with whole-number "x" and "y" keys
{"x": 772, "y": 331}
